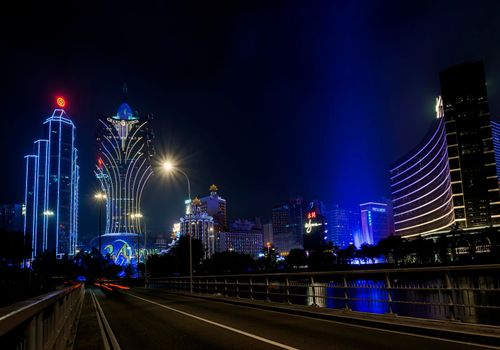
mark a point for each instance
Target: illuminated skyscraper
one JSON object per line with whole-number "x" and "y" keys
{"x": 495, "y": 130}
{"x": 123, "y": 168}
{"x": 288, "y": 225}
{"x": 51, "y": 188}
{"x": 343, "y": 225}
{"x": 201, "y": 226}
{"x": 215, "y": 206}
{"x": 451, "y": 178}
{"x": 376, "y": 222}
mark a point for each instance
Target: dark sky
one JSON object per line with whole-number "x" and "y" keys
{"x": 267, "y": 100}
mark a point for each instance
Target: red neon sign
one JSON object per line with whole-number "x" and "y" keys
{"x": 311, "y": 215}
{"x": 61, "y": 102}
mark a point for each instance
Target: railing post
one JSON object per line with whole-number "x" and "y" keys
{"x": 388, "y": 287}
{"x": 237, "y": 288}
{"x": 313, "y": 291}
{"x": 346, "y": 295}
{"x": 251, "y": 288}
{"x": 225, "y": 287}
{"x": 450, "y": 292}
{"x": 267, "y": 289}
{"x": 287, "y": 285}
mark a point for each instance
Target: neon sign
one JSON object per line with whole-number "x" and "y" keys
{"x": 309, "y": 225}
{"x": 61, "y": 102}
{"x": 311, "y": 215}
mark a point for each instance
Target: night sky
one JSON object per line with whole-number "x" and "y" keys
{"x": 268, "y": 100}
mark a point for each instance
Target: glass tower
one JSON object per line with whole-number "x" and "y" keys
{"x": 51, "y": 189}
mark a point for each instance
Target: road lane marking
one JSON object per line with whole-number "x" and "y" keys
{"x": 101, "y": 319}
{"x": 382, "y": 330}
{"x": 250, "y": 335}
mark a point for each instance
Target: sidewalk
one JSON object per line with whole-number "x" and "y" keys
{"x": 88, "y": 334}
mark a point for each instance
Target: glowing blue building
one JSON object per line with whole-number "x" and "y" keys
{"x": 51, "y": 188}
{"x": 123, "y": 168}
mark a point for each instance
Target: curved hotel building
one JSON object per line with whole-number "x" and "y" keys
{"x": 451, "y": 178}
{"x": 123, "y": 169}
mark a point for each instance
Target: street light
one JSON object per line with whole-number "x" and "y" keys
{"x": 137, "y": 216}
{"x": 169, "y": 167}
{"x": 101, "y": 198}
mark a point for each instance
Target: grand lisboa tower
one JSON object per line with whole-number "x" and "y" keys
{"x": 124, "y": 152}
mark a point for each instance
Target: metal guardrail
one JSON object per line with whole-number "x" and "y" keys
{"x": 44, "y": 322}
{"x": 466, "y": 293}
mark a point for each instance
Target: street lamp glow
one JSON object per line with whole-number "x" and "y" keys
{"x": 136, "y": 216}
{"x": 100, "y": 196}
{"x": 48, "y": 213}
{"x": 168, "y": 166}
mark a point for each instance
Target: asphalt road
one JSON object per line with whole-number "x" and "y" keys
{"x": 150, "y": 319}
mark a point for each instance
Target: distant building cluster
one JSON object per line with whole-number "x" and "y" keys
{"x": 450, "y": 180}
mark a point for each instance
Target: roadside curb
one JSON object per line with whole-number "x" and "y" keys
{"x": 455, "y": 330}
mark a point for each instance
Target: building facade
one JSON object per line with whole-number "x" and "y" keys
{"x": 376, "y": 221}
{"x": 315, "y": 227}
{"x": 343, "y": 225}
{"x": 495, "y": 130}
{"x": 451, "y": 178}
{"x": 288, "y": 225}
{"x": 216, "y": 207}
{"x": 51, "y": 188}
{"x": 267, "y": 234}
{"x": 124, "y": 151}
{"x": 11, "y": 218}
{"x": 199, "y": 225}
{"x": 245, "y": 237}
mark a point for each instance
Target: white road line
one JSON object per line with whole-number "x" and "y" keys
{"x": 381, "y": 329}
{"x": 101, "y": 327}
{"x": 250, "y": 335}
{"x": 378, "y": 329}
{"x": 109, "y": 331}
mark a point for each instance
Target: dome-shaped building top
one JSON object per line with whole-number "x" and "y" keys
{"x": 125, "y": 112}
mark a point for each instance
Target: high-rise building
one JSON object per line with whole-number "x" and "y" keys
{"x": 267, "y": 232}
{"x": 315, "y": 227}
{"x": 245, "y": 237}
{"x": 451, "y": 178}
{"x": 11, "y": 218}
{"x": 495, "y": 130}
{"x": 51, "y": 188}
{"x": 376, "y": 221}
{"x": 288, "y": 225}
{"x": 215, "y": 206}
{"x": 125, "y": 148}
{"x": 343, "y": 225}
{"x": 199, "y": 225}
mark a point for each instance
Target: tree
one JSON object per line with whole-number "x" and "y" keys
{"x": 228, "y": 262}
{"x": 296, "y": 258}
{"x": 392, "y": 249}
{"x": 181, "y": 253}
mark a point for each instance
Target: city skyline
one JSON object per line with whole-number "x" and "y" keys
{"x": 206, "y": 131}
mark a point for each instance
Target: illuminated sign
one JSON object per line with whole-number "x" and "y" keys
{"x": 177, "y": 227}
{"x": 309, "y": 225}
{"x": 439, "y": 107}
{"x": 61, "y": 102}
{"x": 311, "y": 215}
{"x": 380, "y": 210}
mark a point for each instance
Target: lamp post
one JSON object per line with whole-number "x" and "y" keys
{"x": 169, "y": 168}
{"x": 100, "y": 197}
{"x": 137, "y": 216}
